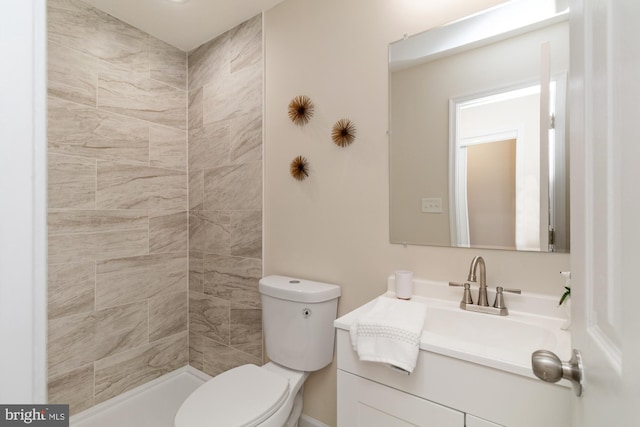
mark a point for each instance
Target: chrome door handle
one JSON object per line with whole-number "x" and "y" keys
{"x": 548, "y": 367}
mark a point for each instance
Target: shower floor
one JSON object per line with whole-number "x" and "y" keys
{"x": 153, "y": 404}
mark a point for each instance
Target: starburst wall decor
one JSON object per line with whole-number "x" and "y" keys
{"x": 343, "y": 133}
{"x": 301, "y": 110}
{"x": 299, "y": 168}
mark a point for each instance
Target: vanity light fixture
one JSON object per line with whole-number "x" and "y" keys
{"x": 177, "y": 1}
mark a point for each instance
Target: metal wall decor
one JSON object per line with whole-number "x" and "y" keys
{"x": 343, "y": 133}
{"x": 299, "y": 168}
{"x": 301, "y": 110}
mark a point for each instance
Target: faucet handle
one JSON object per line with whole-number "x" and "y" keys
{"x": 499, "y": 302}
{"x": 466, "y": 297}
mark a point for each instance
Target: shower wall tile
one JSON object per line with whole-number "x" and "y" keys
{"x": 118, "y": 202}
{"x": 83, "y": 131}
{"x": 196, "y": 271}
{"x": 196, "y": 347}
{"x": 76, "y": 24}
{"x": 97, "y": 246}
{"x": 246, "y": 234}
{"x": 167, "y": 147}
{"x": 246, "y": 329}
{"x": 246, "y": 139}
{"x": 167, "y": 63}
{"x": 71, "y": 342}
{"x": 120, "y": 281}
{"x": 209, "y": 232}
{"x": 209, "y": 317}
{"x": 92, "y": 221}
{"x": 196, "y": 189}
{"x": 233, "y": 187}
{"x": 73, "y": 388}
{"x": 121, "y": 328}
{"x": 124, "y": 371}
{"x": 71, "y": 289}
{"x": 71, "y": 75}
{"x": 195, "y": 109}
{"x": 233, "y": 95}
{"x": 209, "y": 62}
{"x": 168, "y": 232}
{"x": 233, "y": 279}
{"x": 71, "y": 183}
{"x": 167, "y": 315}
{"x": 219, "y": 358}
{"x": 209, "y": 146}
{"x": 124, "y": 186}
{"x": 246, "y": 44}
{"x": 137, "y": 95}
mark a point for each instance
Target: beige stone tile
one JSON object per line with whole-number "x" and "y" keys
{"x": 246, "y": 234}
{"x": 120, "y": 281}
{"x": 246, "y": 139}
{"x": 209, "y": 232}
{"x": 168, "y": 232}
{"x": 196, "y": 189}
{"x": 195, "y": 108}
{"x": 80, "y": 247}
{"x": 73, "y": 388}
{"x": 209, "y": 62}
{"x": 196, "y": 343}
{"x": 136, "y": 95}
{"x": 167, "y": 147}
{"x": 235, "y": 95}
{"x": 94, "y": 221}
{"x": 71, "y": 289}
{"x": 236, "y": 187}
{"x": 219, "y": 358}
{"x": 71, "y": 182}
{"x": 246, "y": 329}
{"x": 84, "y": 131}
{"x": 121, "y": 328}
{"x": 124, "y": 371}
{"x": 124, "y": 186}
{"x": 70, "y": 342}
{"x": 167, "y": 63}
{"x": 196, "y": 271}
{"x": 168, "y": 315}
{"x": 209, "y": 146}
{"x": 71, "y": 74}
{"x": 209, "y": 317}
{"x": 233, "y": 278}
{"x": 76, "y": 24}
{"x": 246, "y": 44}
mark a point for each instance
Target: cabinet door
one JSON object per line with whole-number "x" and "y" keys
{"x": 479, "y": 422}
{"x": 364, "y": 403}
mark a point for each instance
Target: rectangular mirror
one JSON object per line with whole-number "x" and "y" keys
{"x": 472, "y": 164}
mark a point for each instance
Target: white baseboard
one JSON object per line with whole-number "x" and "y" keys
{"x": 307, "y": 421}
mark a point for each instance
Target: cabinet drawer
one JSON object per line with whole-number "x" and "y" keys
{"x": 364, "y": 403}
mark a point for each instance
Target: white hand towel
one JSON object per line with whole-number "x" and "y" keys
{"x": 390, "y": 333}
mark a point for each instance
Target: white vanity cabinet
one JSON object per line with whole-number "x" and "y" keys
{"x": 443, "y": 391}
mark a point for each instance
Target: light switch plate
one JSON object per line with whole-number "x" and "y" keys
{"x": 432, "y": 205}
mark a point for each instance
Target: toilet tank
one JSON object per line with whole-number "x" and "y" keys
{"x": 297, "y": 317}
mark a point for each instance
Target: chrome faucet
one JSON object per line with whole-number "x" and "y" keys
{"x": 482, "y": 292}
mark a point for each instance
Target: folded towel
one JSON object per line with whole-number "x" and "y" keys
{"x": 390, "y": 333}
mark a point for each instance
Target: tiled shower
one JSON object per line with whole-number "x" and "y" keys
{"x": 155, "y": 204}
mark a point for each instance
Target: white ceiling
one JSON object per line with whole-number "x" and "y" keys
{"x": 185, "y": 26}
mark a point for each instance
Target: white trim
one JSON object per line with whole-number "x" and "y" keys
{"x": 307, "y": 421}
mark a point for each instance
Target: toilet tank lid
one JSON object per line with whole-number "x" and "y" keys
{"x": 299, "y": 290}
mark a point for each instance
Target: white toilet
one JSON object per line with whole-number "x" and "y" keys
{"x": 297, "y": 318}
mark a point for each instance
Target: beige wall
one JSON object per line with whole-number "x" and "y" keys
{"x": 117, "y": 221}
{"x": 225, "y": 199}
{"x": 334, "y": 225}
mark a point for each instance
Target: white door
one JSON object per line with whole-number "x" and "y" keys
{"x": 605, "y": 208}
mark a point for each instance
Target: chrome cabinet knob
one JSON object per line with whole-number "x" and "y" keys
{"x": 548, "y": 367}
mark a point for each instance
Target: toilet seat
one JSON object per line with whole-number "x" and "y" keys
{"x": 244, "y": 397}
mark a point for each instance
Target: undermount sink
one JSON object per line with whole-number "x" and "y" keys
{"x": 501, "y": 342}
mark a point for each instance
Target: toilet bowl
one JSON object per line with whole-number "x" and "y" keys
{"x": 299, "y": 338}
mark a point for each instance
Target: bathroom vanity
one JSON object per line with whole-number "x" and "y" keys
{"x": 473, "y": 369}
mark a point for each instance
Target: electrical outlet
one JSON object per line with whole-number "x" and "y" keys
{"x": 432, "y": 205}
